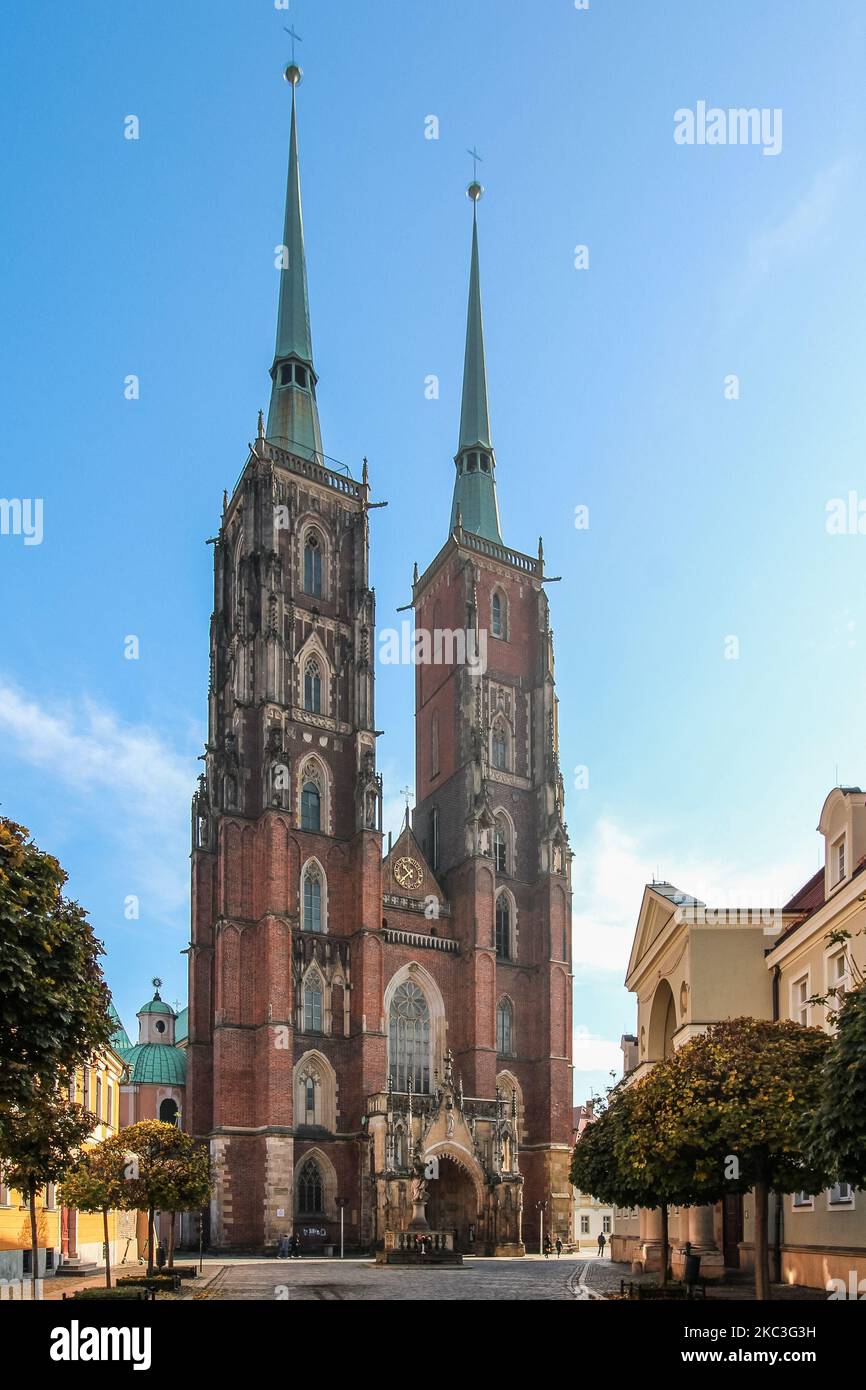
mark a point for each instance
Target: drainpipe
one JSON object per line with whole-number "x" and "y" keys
{"x": 778, "y": 1198}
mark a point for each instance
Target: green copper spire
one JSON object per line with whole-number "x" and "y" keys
{"x": 475, "y": 485}
{"x": 293, "y": 418}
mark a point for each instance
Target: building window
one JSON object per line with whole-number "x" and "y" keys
{"x": 837, "y": 977}
{"x": 839, "y": 860}
{"x": 841, "y": 1195}
{"x": 584, "y": 1225}
{"x": 409, "y": 1039}
{"x": 313, "y": 687}
{"x": 800, "y": 1001}
{"x": 313, "y": 565}
{"x": 310, "y": 1189}
{"x": 312, "y": 920}
{"x": 802, "y": 1201}
{"x": 605, "y": 1225}
{"x": 109, "y": 1103}
{"x": 168, "y": 1112}
{"x": 499, "y": 748}
{"x": 434, "y": 745}
{"x": 313, "y": 1005}
{"x": 99, "y": 1093}
{"x": 310, "y": 1101}
{"x": 311, "y": 807}
{"x": 504, "y": 1028}
{"x": 434, "y": 839}
{"x": 503, "y": 927}
{"x": 500, "y": 847}
{"x": 497, "y": 616}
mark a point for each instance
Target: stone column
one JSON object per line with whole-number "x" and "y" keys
{"x": 701, "y": 1229}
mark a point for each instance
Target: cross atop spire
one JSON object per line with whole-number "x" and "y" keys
{"x": 475, "y": 502}
{"x": 293, "y": 418}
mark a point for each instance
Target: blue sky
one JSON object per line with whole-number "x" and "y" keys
{"x": 707, "y": 515}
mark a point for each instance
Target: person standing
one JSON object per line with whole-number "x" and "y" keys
{"x": 601, "y": 1244}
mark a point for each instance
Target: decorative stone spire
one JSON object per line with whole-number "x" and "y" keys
{"x": 293, "y": 418}
{"x": 475, "y": 503}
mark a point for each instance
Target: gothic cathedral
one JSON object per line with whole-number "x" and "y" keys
{"x": 382, "y": 1042}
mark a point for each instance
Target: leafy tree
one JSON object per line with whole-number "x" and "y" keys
{"x": 839, "y": 1118}
{"x": 96, "y": 1184}
{"x": 163, "y": 1171}
{"x": 741, "y": 1096}
{"x": 55, "y": 1001}
{"x": 188, "y": 1185}
{"x": 627, "y": 1157}
{"x": 39, "y": 1143}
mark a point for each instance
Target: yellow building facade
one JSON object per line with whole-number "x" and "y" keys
{"x": 692, "y": 966}
{"x": 67, "y": 1238}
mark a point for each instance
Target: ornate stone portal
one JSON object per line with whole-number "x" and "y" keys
{"x": 444, "y": 1170}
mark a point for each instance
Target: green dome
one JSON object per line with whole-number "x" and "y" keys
{"x": 156, "y": 1006}
{"x": 156, "y": 1063}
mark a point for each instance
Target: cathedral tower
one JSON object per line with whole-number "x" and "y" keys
{"x": 287, "y": 817}
{"x": 490, "y": 810}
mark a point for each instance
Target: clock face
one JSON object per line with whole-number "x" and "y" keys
{"x": 408, "y": 873}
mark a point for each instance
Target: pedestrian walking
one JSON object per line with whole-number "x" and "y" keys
{"x": 558, "y": 1246}
{"x": 601, "y": 1244}
{"x": 548, "y": 1246}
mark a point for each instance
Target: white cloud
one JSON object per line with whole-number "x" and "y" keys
{"x": 593, "y": 1053}
{"x": 135, "y": 786}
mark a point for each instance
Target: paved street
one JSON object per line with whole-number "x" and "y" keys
{"x": 532, "y": 1277}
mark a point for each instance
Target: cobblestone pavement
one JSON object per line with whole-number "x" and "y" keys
{"x": 532, "y": 1277}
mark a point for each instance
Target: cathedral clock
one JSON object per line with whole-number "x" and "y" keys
{"x": 408, "y": 873}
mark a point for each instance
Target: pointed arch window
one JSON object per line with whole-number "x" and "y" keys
{"x": 310, "y": 1101}
{"x": 503, "y": 927}
{"x": 505, "y": 1028}
{"x": 313, "y": 1006}
{"x": 409, "y": 1038}
{"x": 311, "y": 802}
{"x": 499, "y": 747}
{"x": 313, "y": 686}
{"x": 312, "y": 909}
{"x": 310, "y": 1189}
{"x": 313, "y": 565}
{"x": 498, "y": 615}
{"x": 500, "y": 846}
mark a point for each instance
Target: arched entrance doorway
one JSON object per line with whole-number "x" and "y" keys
{"x": 453, "y": 1205}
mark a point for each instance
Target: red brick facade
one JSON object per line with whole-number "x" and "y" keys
{"x": 267, "y": 990}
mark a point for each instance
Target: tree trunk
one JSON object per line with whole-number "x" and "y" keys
{"x": 150, "y": 1224}
{"x": 665, "y": 1252}
{"x": 107, "y": 1248}
{"x": 171, "y": 1242}
{"x": 762, "y": 1252}
{"x": 34, "y": 1240}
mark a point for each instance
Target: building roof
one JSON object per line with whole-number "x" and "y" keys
{"x": 675, "y": 895}
{"x": 474, "y": 506}
{"x": 120, "y": 1039}
{"x": 156, "y": 1005}
{"x": 181, "y": 1027}
{"x": 156, "y": 1063}
{"x": 810, "y": 896}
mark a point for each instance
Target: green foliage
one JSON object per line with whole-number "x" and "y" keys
{"x": 96, "y": 1183}
{"x": 746, "y": 1089}
{"x": 55, "y": 1001}
{"x": 138, "y": 1293}
{"x": 39, "y": 1142}
{"x": 163, "y": 1168}
{"x": 838, "y": 1128}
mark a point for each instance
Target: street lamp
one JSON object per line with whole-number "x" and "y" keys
{"x": 539, "y": 1207}
{"x": 342, "y": 1203}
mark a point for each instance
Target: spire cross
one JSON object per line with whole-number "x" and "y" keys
{"x": 293, "y": 36}
{"x": 408, "y": 794}
{"x": 476, "y": 160}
